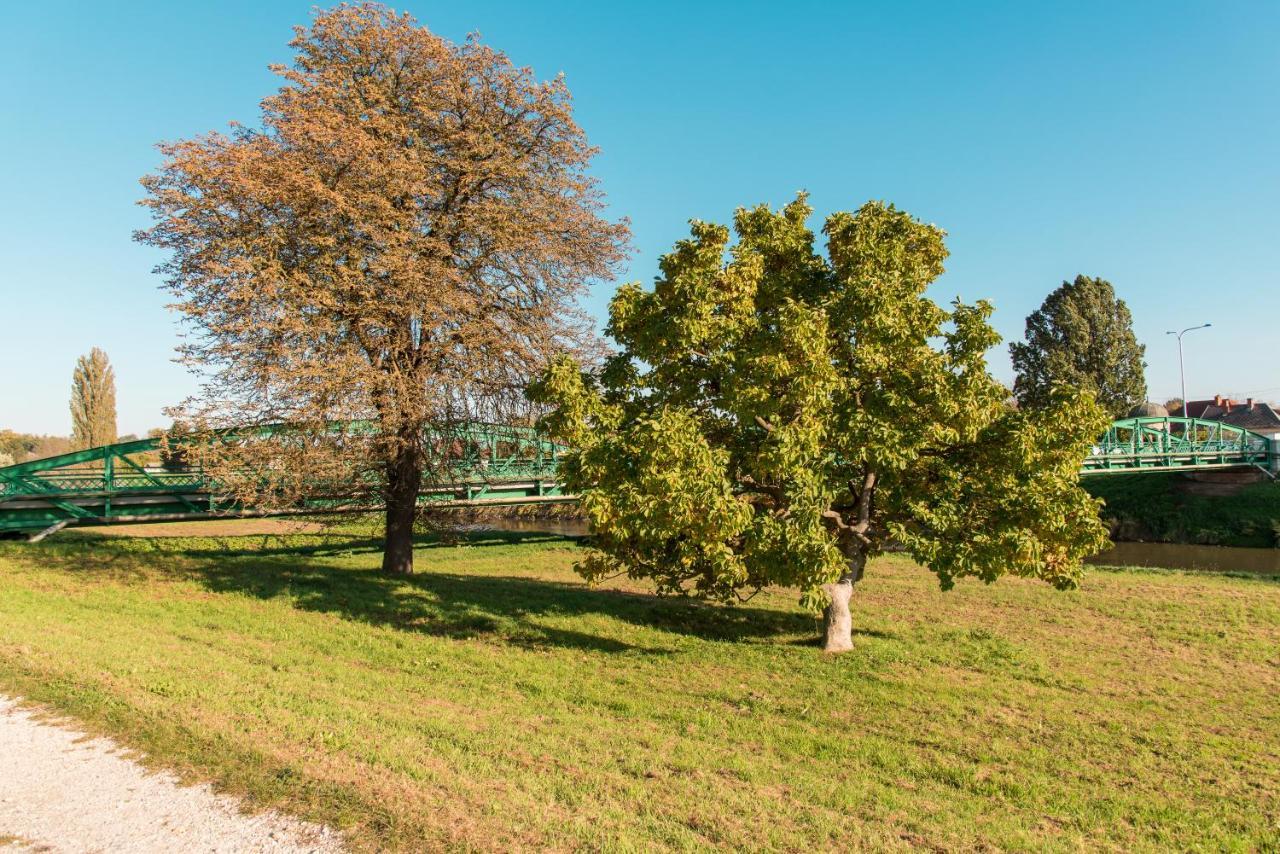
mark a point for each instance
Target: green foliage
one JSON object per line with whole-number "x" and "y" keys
{"x": 1157, "y": 506}
{"x": 93, "y": 401}
{"x": 777, "y": 417}
{"x": 1081, "y": 337}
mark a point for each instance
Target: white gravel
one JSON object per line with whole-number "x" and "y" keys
{"x": 61, "y": 791}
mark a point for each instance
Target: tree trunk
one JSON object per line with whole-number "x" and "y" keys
{"x": 836, "y": 619}
{"x": 404, "y": 477}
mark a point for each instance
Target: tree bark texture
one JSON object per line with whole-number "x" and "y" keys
{"x": 403, "y": 481}
{"x": 836, "y": 619}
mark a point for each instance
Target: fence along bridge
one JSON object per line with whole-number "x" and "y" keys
{"x": 497, "y": 465}
{"x": 493, "y": 465}
{"x": 1173, "y": 443}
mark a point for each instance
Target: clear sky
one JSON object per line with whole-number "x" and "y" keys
{"x": 1136, "y": 141}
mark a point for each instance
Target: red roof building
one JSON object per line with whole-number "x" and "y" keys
{"x": 1247, "y": 414}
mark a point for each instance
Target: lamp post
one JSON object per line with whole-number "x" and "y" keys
{"x": 1182, "y": 372}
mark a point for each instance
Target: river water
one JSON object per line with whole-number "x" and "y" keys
{"x": 1182, "y": 556}
{"x": 1157, "y": 555}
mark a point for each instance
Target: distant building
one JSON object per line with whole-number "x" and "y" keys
{"x": 1148, "y": 410}
{"x": 1247, "y": 414}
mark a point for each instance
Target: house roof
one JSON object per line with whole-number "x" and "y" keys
{"x": 1259, "y": 417}
{"x": 1211, "y": 408}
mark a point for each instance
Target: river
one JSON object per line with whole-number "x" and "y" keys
{"x": 1185, "y": 556}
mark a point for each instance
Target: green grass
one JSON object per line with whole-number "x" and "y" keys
{"x": 495, "y": 702}
{"x": 1150, "y": 506}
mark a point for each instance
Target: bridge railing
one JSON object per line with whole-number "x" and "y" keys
{"x": 1134, "y": 444}
{"x": 474, "y": 454}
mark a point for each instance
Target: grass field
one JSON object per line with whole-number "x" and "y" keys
{"x": 495, "y": 702}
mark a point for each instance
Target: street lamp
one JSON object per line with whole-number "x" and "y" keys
{"x": 1182, "y": 372}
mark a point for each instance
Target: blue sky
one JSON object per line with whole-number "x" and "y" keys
{"x": 1135, "y": 141}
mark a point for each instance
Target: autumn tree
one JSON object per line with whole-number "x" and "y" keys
{"x": 391, "y": 255}
{"x": 93, "y": 400}
{"x": 777, "y": 417}
{"x": 1081, "y": 337}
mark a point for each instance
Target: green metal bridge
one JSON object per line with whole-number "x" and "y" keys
{"x": 491, "y": 465}
{"x": 1172, "y": 443}
{"x": 495, "y": 465}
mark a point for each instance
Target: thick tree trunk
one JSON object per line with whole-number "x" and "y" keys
{"x": 404, "y": 477}
{"x": 836, "y": 619}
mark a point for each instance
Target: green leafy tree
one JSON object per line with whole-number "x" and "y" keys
{"x": 775, "y": 417}
{"x": 1082, "y": 337}
{"x": 93, "y": 400}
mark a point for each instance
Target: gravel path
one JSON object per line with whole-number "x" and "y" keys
{"x": 61, "y": 791}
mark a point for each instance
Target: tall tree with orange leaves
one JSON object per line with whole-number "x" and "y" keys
{"x": 400, "y": 244}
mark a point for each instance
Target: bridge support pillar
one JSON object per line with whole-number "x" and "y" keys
{"x": 1273, "y": 463}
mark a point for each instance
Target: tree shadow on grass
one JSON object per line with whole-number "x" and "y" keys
{"x": 509, "y": 608}
{"x": 506, "y": 607}
{"x": 333, "y": 544}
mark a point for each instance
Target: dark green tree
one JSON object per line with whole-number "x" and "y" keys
{"x": 779, "y": 417}
{"x": 1081, "y": 337}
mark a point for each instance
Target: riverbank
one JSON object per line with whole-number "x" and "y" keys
{"x": 1172, "y": 508}
{"x": 495, "y": 701}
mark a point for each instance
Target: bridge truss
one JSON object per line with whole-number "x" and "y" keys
{"x": 491, "y": 464}
{"x": 1175, "y": 443}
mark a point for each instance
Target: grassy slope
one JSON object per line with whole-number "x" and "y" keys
{"x": 495, "y": 702}
{"x": 1150, "y": 506}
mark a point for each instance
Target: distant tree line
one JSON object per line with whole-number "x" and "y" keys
{"x": 19, "y": 447}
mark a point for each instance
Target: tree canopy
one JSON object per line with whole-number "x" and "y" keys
{"x": 93, "y": 400}
{"x": 1081, "y": 337}
{"x": 776, "y": 417}
{"x": 401, "y": 245}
